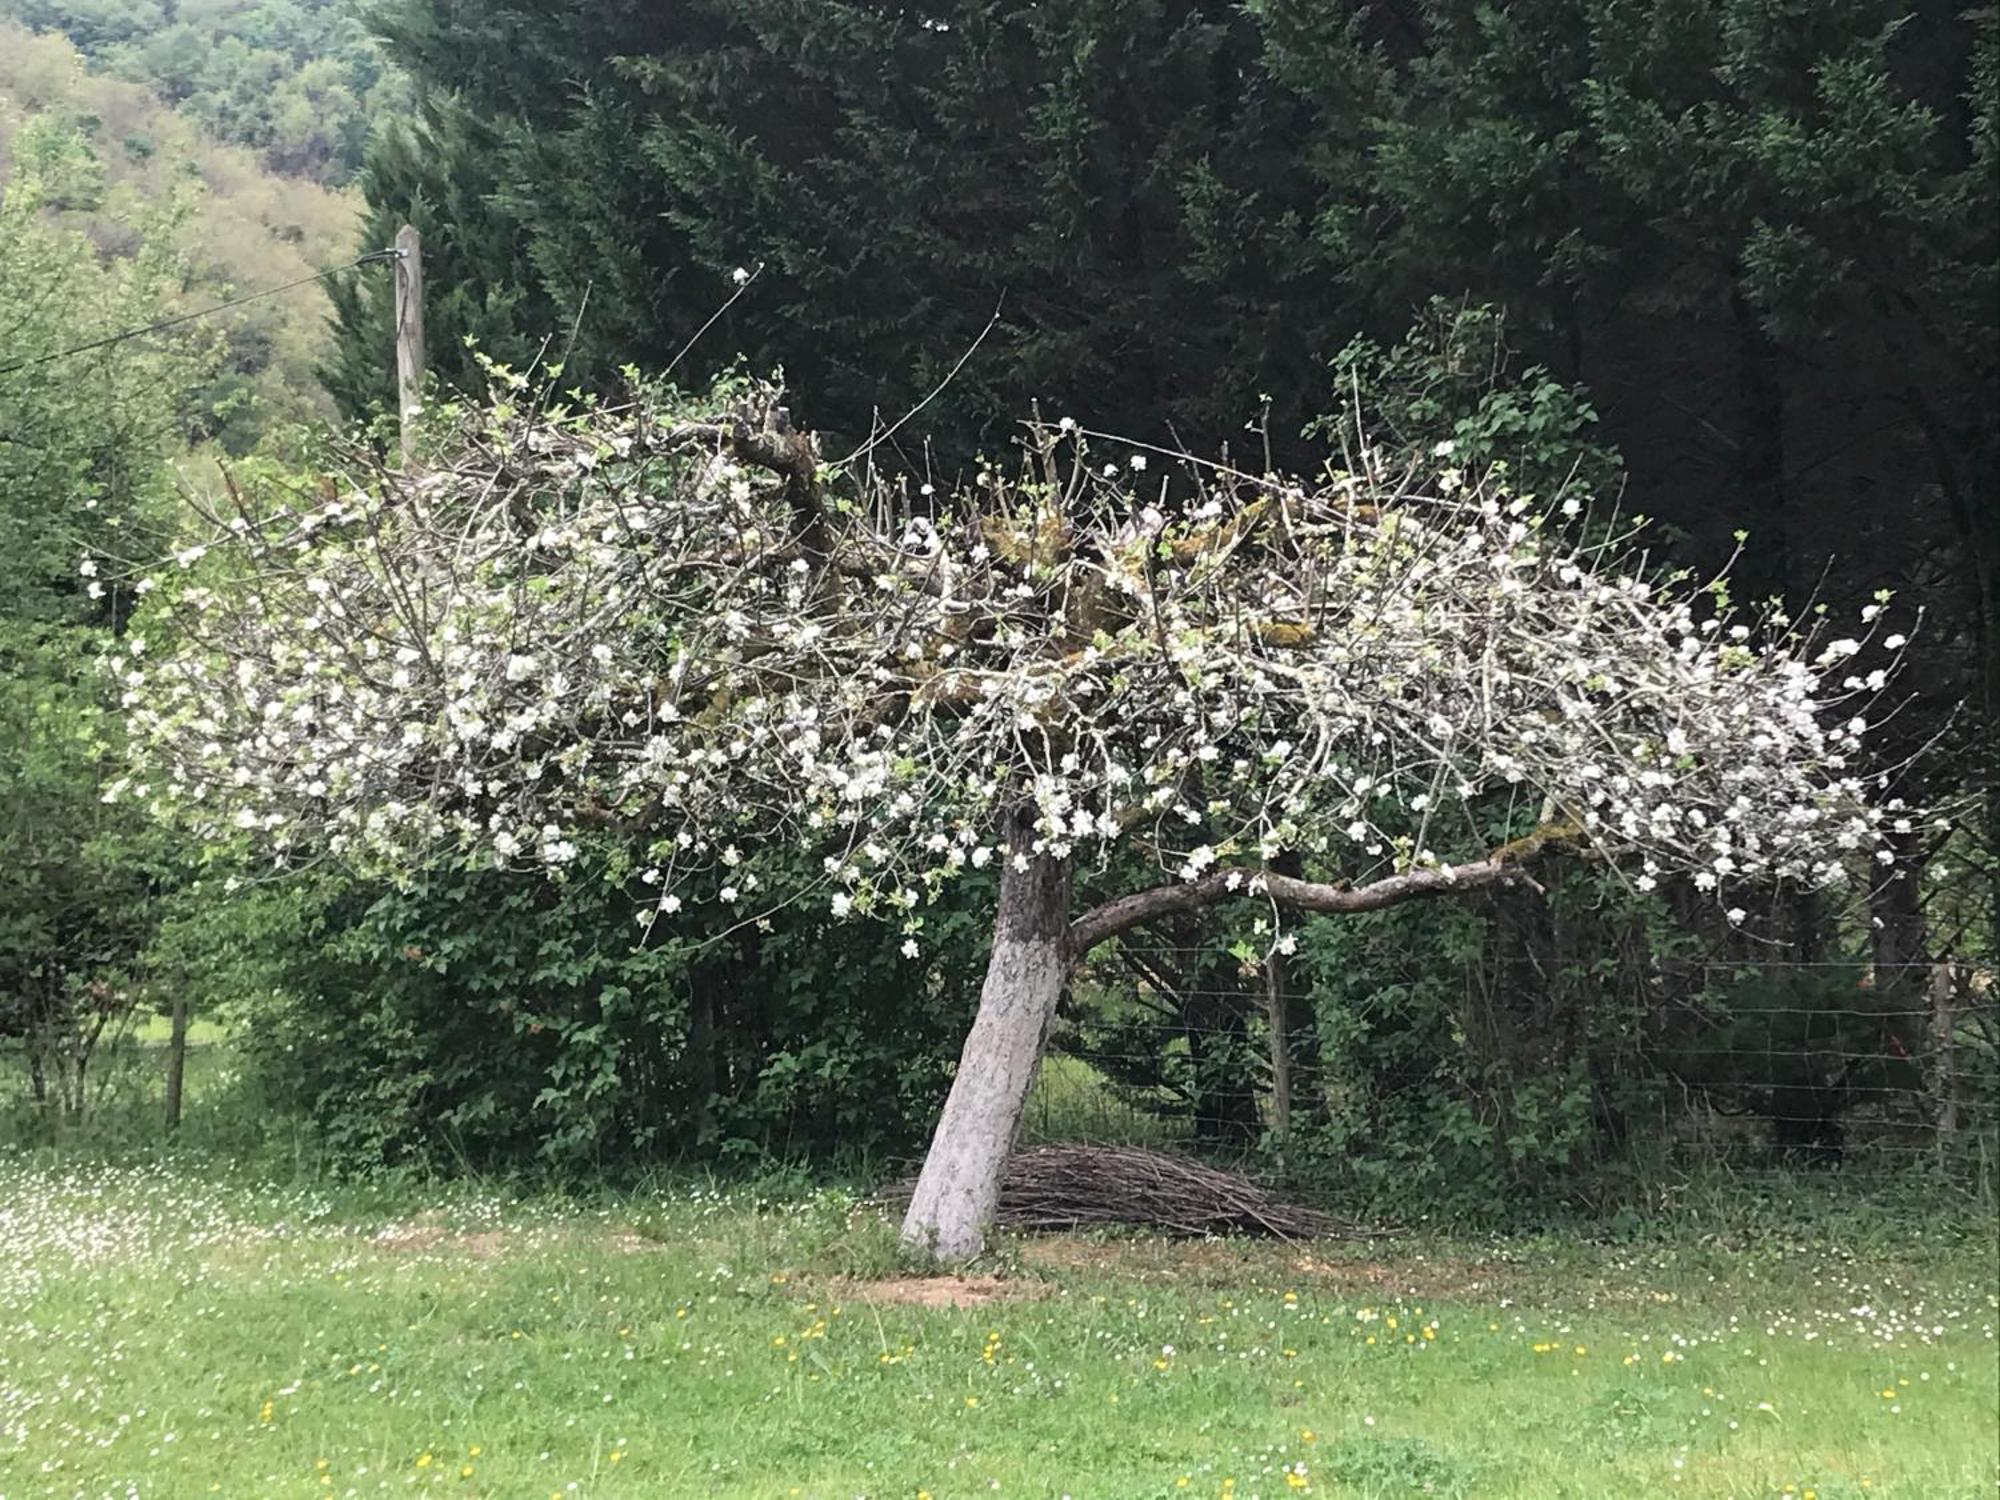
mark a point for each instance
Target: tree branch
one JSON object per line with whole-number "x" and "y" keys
{"x": 793, "y": 454}
{"x": 1127, "y": 912}
{"x": 770, "y": 443}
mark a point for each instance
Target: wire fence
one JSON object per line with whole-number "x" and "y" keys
{"x": 1506, "y": 1069}
{"x": 1780, "y": 1064}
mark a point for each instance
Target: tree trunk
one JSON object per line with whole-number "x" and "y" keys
{"x": 959, "y": 1186}
{"x": 1298, "y": 1094}
{"x": 177, "y": 1044}
{"x": 1901, "y": 932}
{"x": 702, "y": 1077}
{"x": 1764, "y": 570}
{"x": 1222, "y": 1082}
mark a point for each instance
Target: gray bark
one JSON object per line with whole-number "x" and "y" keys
{"x": 1034, "y": 943}
{"x": 959, "y": 1187}
{"x": 1503, "y": 867}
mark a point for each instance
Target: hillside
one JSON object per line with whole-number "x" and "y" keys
{"x": 296, "y": 81}
{"x": 134, "y": 170}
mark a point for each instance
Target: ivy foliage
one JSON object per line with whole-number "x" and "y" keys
{"x": 501, "y": 1020}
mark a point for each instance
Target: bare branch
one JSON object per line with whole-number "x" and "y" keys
{"x": 1118, "y": 916}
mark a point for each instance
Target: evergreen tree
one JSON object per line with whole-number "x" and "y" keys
{"x": 1114, "y": 179}
{"x": 1765, "y": 239}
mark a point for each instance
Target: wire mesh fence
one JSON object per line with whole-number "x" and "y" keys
{"x": 1425, "y": 1073}
{"x": 1777, "y": 1063}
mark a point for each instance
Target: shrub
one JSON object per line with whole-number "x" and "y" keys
{"x": 502, "y": 1019}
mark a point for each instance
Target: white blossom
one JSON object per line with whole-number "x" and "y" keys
{"x": 1280, "y": 667}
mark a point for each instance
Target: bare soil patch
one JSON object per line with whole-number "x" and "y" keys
{"x": 411, "y": 1239}
{"x": 629, "y": 1243}
{"x": 422, "y": 1239}
{"x": 942, "y": 1291}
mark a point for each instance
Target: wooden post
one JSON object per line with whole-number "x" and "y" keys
{"x": 1278, "y": 1010}
{"x": 177, "y": 1046}
{"x": 1943, "y": 1080}
{"x": 409, "y": 333}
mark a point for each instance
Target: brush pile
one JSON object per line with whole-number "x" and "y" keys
{"x": 1079, "y": 1187}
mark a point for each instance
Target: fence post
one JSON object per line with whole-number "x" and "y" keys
{"x": 409, "y": 333}
{"x": 1280, "y": 1024}
{"x": 176, "y": 1062}
{"x": 1944, "y": 1055}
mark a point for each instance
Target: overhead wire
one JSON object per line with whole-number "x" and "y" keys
{"x": 189, "y": 317}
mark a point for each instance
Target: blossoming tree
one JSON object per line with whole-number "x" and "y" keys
{"x": 681, "y": 625}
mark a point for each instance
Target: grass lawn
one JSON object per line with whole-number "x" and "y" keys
{"x": 155, "y": 1028}
{"x": 166, "y": 1331}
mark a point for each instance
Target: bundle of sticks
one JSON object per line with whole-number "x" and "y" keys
{"x": 1078, "y": 1187}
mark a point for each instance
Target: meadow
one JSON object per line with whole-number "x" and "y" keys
{"x": 171, "y": 1327}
